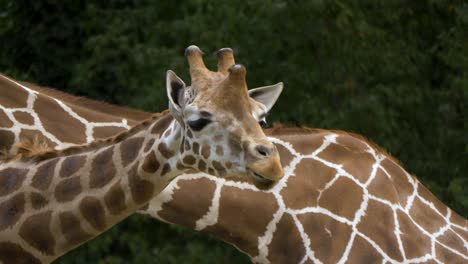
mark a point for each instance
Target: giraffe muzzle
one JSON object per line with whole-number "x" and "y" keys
{"x": 266, "y": 172}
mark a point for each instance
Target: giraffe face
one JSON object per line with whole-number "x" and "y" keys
{"x": 221, "y": 124}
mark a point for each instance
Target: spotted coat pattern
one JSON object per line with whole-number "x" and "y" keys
{"x": 341, "y": 200}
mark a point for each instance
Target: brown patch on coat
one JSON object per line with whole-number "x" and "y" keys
{"x": 38, "y": 200}
{"x": 60, "y": 121}
{"x": 165, "y": 151}
{"x": 285, "y": 155}
{"x": 196, "y": 148}
{"x": 162, "y": 123}
{"x": 286, "y": 245}
{"x": 202, "y": 165}
{"x": 235, "y": 223}
{"x": 129, "y": 149}
{"x": 205, "y": 151}
{"x": 189, "y": 160}
{"x": 359, "y": 165}
{"x": 233, "y": 145}
{"x": 166, "y": 168}
{"x": 93, "y": 212}
{"x": 211, "y": 171}
{"x": 363, "y": 252}
{"x": 180, "y": 166}
{"x": 24, "y": 118}
{"x": 327, "y": 236}
{"x": 7, "y": 139}
{"x": 428, "y": 196}
{"x": 114, "y": 199}
{"x": 176, "y": 211}
{"x": 142, "y": 190}
{"x": 71, "y": 165}
{"x": 382, "y": 187}
{"x": 415, "y": 243}
{"x": 188, "y": 133}
{"x": 458, "y": 220}
{"x": 11, "y": 180}
{"x": 11, "y": 210}
{"x": 310, "y": 176}
{"x": 13, "y": 253}
{"x": 354, "y": 161}
{"x": 35, "y": 230}
{"x": 400, "y": 179}
{"x": 424, "y": 216}
{"x": 342, "y": 189}
{"x": 102, "y": 169}
{"x": 5, "y": 121}
{"x": 91, "y": 115}
{"x": 181, "y": 146}
{"x": 446, "y": 256}
{"x": 68, "y": 189}
{"x": 71, "y": 229}
{"x": 217, "y": 166}
{"x": 352, "y": 143}
{"x": 151, "y": 163}
{"x": 376, "y": 223}
{"x": 107, "y": 131}
{"x": 149, "y": 144}
{"x": 452, "y": 240}
{"x": 13, "y": 96}
{"x": 44, "y": 175}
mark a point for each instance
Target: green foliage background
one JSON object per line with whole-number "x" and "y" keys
{"x": 394, "y": 71}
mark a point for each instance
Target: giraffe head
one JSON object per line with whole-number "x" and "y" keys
{"x": 221, "y": 120}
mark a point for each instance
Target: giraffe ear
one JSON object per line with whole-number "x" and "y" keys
{"x": 176, "y": 92}
{"x": 267, "y": 95}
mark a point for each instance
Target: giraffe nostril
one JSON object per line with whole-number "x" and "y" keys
{"x": 262, "y": 150}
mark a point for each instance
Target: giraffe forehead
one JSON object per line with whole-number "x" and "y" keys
{"x": 221, "y": 96}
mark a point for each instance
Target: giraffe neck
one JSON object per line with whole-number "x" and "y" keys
{"x": 49, "y": 207}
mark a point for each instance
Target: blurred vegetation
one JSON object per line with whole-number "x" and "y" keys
{"x": 394, "y": 71}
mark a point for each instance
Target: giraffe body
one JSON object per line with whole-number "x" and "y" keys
{"x": 307, "y": 217}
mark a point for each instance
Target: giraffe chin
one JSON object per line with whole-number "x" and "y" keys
{"x": 260, "y": 182}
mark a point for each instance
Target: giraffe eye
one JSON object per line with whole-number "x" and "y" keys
{"x": 199, "y": 124}
{"x": 263, "y": 123}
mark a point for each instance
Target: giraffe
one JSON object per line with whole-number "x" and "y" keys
{"x": 389, "y": 215}
{"x": 53, "y": 201}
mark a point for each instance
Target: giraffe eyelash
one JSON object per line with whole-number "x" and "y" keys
{"x": 198, "y": 124}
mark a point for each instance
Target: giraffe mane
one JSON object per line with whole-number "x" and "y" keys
{"x": 35, "y": 147}
{"x": 37, "y": 151}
